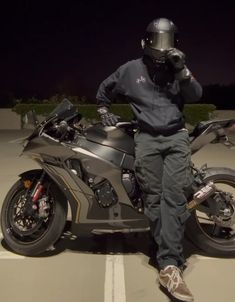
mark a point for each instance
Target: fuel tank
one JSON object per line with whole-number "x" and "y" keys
{"x": 114, "y": 137}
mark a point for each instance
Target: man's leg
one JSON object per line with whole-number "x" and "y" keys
{"x": 176, "y": 176}
{"x": 149, "y": 170}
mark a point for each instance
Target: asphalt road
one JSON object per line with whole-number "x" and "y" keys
{"x": 108, "y": 268}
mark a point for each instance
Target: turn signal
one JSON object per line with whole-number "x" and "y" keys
{"x": 27, "y": 184}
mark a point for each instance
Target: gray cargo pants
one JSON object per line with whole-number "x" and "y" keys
{"x": 162, "y": 169}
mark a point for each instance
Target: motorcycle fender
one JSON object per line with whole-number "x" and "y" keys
{"x": 30, "y": 173}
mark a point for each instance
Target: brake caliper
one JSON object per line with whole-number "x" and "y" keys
{"x": 225, "y": 209}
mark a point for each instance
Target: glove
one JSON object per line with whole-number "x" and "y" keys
{"x": 107, "y": 118}
{"x": 177, "y": 59}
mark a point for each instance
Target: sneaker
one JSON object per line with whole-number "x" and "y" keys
{"x": 171, "y": 279}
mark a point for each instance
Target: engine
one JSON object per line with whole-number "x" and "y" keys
{"x": 133, "y": 191}
{"x": 106, "y": 194}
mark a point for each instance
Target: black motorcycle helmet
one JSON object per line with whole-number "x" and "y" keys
{"x": 161, "y": 35}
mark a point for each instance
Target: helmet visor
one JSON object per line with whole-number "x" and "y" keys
{"x": 160, "y": 41}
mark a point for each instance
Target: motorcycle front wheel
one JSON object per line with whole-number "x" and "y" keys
{"x": 31, "y": 232}
{"x": 215, "y": 235}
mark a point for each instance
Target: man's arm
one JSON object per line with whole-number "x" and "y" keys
{"x": 190, "y": 89}
{"x": 107, "y": 92}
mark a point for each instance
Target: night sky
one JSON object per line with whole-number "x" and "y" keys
{"x": 50, "y": 47}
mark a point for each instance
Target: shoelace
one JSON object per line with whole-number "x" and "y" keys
{"x": 174, "y": 278}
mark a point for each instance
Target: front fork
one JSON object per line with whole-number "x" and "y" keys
{"x": 37, "y": 191}
{"x": 33, "y": 191}
{"x": 37, "y": 204}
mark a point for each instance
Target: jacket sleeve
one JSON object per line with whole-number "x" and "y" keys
{"x": 110, "y": 88}
{"x": 191, "y": 90}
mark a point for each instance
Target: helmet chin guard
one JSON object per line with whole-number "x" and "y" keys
{"x": 158, "y": 56}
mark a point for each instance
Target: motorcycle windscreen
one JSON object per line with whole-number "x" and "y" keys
{"x": 63, "y": 110}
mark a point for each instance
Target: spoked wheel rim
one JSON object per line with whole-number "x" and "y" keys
{"x": 24, "y": 226}
{"x": 219, "y": 229}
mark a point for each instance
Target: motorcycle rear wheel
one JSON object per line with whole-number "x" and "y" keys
{"x": 25, "y": 234}
{"x": 203, "y": 231}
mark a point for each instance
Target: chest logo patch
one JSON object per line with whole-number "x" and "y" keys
{"x": 141, "y": 79}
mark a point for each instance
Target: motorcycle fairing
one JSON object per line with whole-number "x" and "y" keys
{"x": 104, "y": 161}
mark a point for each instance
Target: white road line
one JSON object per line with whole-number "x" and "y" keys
{"x": 16, "y": 141}
{"x": 114, "y": 285}
{"x": 200, "y": 257}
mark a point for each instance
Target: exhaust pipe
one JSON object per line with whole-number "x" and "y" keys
{"x": 201, "y": 195}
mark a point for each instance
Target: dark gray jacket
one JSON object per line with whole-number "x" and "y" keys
{"x": 157, "y": 110}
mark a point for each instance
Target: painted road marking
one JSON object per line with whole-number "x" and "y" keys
{"x": 200, "y": 257}
{"x": 18, "y": 140}
{"x": 114, "y": 285}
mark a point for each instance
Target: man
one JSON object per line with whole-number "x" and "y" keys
{"x": 157, "y": 86}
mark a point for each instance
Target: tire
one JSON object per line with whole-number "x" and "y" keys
{"x": 44, "y": 231}
{"x": 201, "y": 233}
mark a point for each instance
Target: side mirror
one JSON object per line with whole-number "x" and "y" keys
{"x": 30, "y": 118}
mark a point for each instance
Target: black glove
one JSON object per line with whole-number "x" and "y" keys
{"x": 107, "y": 118}
{"x": 177, "y": 59}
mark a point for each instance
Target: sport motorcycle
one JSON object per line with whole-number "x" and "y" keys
{"x": 88, "y": 171}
